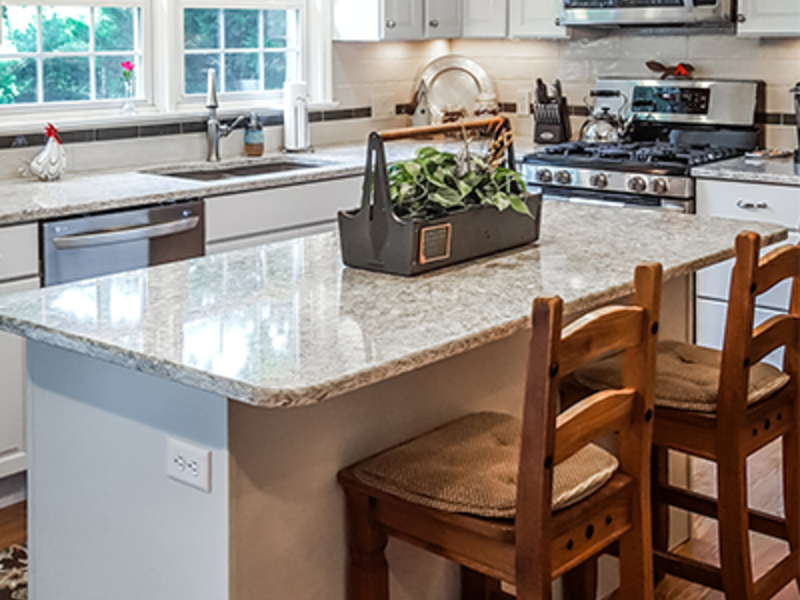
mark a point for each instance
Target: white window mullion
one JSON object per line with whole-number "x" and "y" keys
{"x": 221, "y": 83}
{"x": 261, "y": 42}
{"x": 92, "y": 58}
{"x": 137, "y": 51}
{"x": 39, "y": 60}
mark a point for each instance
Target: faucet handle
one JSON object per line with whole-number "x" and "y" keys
{"x": 211, "y": 95}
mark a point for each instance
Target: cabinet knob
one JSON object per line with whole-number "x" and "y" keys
{"x": 391, "y": 24}
{"x": 747, "y": 205}
{"x": 433, "y": 23}
{"x": 558, "y": 22}
{"x": 740, "y": 18}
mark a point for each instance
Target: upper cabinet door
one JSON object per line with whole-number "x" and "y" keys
{"x": 485, "y": 18}
{"x": 536, "y": 19}
{"x": 768, "y": 18}
{"x": 442, "y": 18}
{"x": 402, "y": 20}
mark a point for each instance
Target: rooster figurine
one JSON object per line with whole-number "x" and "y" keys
{"x": 50, "y": 163}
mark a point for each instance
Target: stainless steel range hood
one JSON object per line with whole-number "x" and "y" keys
{"x": 646, "y": 13}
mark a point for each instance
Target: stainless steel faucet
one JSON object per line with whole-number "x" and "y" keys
{"x": 216, "y": 130}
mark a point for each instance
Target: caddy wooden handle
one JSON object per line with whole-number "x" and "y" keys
{"x": 401, "y": 134}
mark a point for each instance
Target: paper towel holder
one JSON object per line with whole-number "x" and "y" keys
{"x": 296, "y": 117}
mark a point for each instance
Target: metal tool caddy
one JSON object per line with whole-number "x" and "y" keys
{"x": 373, "y": 237}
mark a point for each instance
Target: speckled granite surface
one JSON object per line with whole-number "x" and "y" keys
{"x": 27, "y": 200}
{"x": 781, "y": 171}
{"x": 287, "y": 325}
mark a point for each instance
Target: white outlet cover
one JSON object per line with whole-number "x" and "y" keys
{"x": 189, "y": 464}
{"x": 383, "y": 106}
{"x": 524, "y": 102}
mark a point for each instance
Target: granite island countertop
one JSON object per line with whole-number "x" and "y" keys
{"x": 287, "y": 324}
{"x": 781, "y": 171}
{"x": 25, "y": 200}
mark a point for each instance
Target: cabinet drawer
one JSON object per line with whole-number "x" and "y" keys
{"x": 269, "y": 238}
{"x": 749, "y": 202}
{"x": 263, "y": 211}
{"x": 715, "y": 282}
{"x": 19, "y": 251}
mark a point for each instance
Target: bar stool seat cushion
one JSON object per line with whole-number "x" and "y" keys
{"x": 687, "y": 377}
{"x": 470, "y": 466}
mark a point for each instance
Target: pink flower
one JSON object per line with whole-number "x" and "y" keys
{"x": 127, "y": 66}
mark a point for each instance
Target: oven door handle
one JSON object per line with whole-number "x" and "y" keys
{"x": 594, "y": 202}
{"x": 128, "y": 234}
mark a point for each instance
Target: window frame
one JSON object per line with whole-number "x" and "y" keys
{"x": 185, "y": 102}
{"x": 145, "y": 85}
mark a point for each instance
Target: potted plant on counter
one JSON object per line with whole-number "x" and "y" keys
{"x": 439, "y": 208}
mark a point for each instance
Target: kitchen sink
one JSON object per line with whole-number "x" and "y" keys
{"x": 242, "y": 171}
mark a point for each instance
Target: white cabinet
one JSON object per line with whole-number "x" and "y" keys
{"x": 371, "y": 20}
{"x": 443, "y": 18}
{"x": 768, "y": 18}
{"x": 263, "y": 216}
{"x": 19, "y": 268}
{"x": 375, "y": 20}
{"x": 750, "y": 202}
{"x": 485, "y": 19}
{"x": 536, "y": 19}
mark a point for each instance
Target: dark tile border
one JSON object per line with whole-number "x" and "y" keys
{"x": 103, "y": 134}
{"x": 272, "y": 119}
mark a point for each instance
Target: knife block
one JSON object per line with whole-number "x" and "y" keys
{"x": 552, "y": 123}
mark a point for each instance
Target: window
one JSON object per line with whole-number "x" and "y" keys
{"x": 252, "y": 50}
{"x": 68, "y": 53}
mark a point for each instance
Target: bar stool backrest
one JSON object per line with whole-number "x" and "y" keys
{"x": 549, "y": 438}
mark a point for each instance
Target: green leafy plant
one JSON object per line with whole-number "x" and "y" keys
{"x": 435, "y": 183}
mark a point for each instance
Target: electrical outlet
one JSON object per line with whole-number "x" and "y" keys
{"x": 189, "y": 464}
{"x": 383, "y": 106}
{"x": 524, "y": 102}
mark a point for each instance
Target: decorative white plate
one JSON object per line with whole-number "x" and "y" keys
{"x": 454, "y": 81}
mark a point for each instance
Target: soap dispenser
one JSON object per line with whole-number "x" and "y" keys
{"x": 254, "y": 137}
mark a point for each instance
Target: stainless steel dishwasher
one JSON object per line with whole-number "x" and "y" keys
{"x": 101, "y": 244}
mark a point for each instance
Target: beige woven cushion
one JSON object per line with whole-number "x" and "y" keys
{"x": 470, "y": 466}
{"x": 687, "y": 377}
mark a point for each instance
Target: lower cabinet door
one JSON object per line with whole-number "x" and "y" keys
{"x": 12, "y": 392}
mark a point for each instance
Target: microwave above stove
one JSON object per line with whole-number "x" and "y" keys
{"x": 652, "y": 13}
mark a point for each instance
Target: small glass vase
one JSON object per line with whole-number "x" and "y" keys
{"x": 128, "y": 106}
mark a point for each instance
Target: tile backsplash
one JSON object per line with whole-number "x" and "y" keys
{"x": 369, "y": 79}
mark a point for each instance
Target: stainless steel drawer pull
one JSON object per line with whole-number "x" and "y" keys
{"x": 129, "y": 234}
{"x": 747, "y": 205}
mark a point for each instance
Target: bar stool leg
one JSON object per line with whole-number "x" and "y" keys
{"x": 581, "y": 582}
{"x": 791, "y": 491}
{"x": 734, "y": 538}
{"x": 367, "y": 569}
{"x": 659, "y": 471}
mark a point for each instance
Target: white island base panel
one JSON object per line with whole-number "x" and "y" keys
{"x": 107, "y": 522}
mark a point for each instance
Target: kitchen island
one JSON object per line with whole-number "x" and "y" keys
{"x": 255, "y": 375}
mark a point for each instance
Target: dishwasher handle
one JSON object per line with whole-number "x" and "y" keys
{"x": 128, "y": 234}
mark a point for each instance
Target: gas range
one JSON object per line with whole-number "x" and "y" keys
{"x": 672, "y": 131}
{"x": 649, "y": 168}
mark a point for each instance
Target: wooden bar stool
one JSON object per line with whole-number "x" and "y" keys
{"x": 526, "y": 502}
{"x": 749, "y": 405}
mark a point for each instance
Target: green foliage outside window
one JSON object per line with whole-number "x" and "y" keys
{"x": 23, "y": 61}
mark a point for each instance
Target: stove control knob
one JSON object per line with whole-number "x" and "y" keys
{"x": 544, "y": 175}
{"x": 563, "y": 177}
{"x": 598, "y": 180}
{"x": 637, "y": 184}
{"x": 660, "y": 185}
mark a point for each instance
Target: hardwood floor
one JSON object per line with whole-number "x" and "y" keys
{"x": 13, "y": 525}
{"x": 765, "y": 493}
{"x": 764, "y": 470}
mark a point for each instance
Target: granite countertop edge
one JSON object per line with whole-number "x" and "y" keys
{"x": 272, "y": 398}
{"x": 773, "y": 171}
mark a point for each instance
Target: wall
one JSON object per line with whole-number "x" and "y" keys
{"x": 515, "y": 65}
